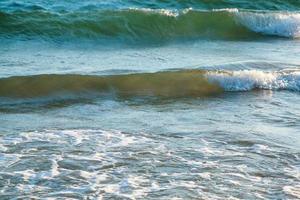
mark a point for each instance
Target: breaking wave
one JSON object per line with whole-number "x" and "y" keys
{"x": 184, "y": 83}
{"x": 246, "y": 80}
{"x": 156, "y": 24}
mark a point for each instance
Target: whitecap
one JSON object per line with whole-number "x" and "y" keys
{"x": 245, "y": 80}
{"x": 285, "y": 24}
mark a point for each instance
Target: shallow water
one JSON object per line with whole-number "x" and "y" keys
{"x": 178, "y": 109}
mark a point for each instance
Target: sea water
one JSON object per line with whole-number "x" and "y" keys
{"x": 149, "y": 99}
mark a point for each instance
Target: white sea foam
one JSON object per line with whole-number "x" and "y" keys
{"x": 245, "y": 80}
{"x": 293, "y": 191}
{"x": 205, "y": 175}
{"x": 258, "y": 148}
{"x": 166, "y": 12}
{"x": 169, "y": 168}
{"x": 285, "y": 24}
{"x": 231, "y": 10}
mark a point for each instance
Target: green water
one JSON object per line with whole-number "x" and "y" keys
{"x": 186, "y": 99}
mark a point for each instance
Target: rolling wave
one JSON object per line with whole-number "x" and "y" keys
{"x": 56, "y": 5}
{"x": 184, "y": 83}
{"x": 165, "y": 84}
{"x": 154, "y": 24}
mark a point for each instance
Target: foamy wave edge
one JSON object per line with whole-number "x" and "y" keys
{"x": 284, "y": 24}
{"x": 246, "y": 80}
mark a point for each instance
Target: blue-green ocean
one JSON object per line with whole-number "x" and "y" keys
{"x": 150, "y": 99}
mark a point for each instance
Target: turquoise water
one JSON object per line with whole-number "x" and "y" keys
{"x": 149, "y": 99}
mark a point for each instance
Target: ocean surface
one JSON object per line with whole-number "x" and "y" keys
{"x": 150, "y": 99}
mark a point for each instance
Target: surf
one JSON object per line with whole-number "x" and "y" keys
{"x": 170, "y": 84}
{"x": 142, "y": 25}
